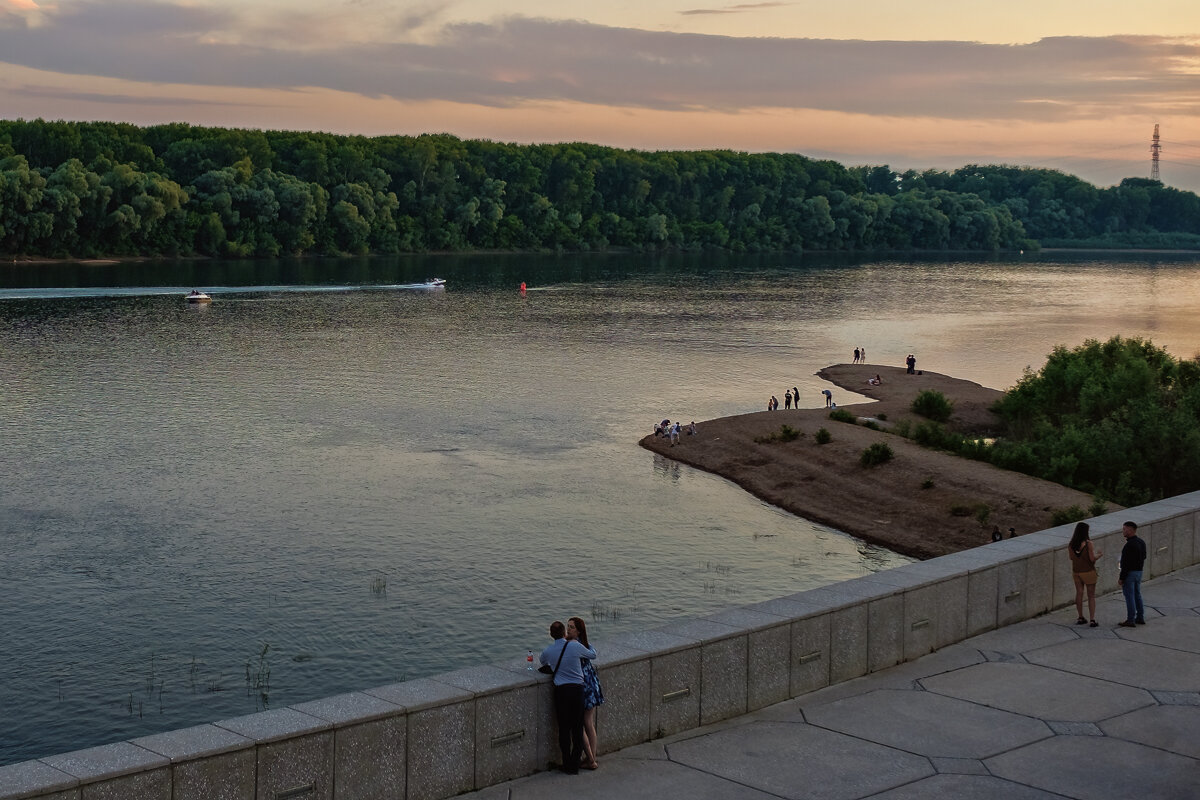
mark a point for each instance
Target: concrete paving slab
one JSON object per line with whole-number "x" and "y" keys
{"x": 1173, "y": 728}
{"x": 1098, "y": 768}
{"x": 902, "y": 676}
{"x": 928, "y": 724}
{"x": 800, "y": 761}
{"x": 1134, "y": 664}
{"x": 1039, "y": 692}
{"x": 965, "y": 787}
{"x": 1171, "y": 592}
{"x": 958, "y": 766}
{"x": 1024, "y": 638}
{"x": 1176, "y": 632}
{"x": 624, "y": 778}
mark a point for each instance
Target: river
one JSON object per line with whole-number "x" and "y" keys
{"x": 321, "y": 483}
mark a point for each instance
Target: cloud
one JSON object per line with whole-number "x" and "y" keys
{"x": 55, "y": 93}
{"x": 515, "y": 61}
{"x": 740, "y": 8}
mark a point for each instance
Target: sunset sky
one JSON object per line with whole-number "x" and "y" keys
{"x": 1076, "y": 86}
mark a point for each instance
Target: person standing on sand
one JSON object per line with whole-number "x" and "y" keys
{"x": 796, "y": 396}
{"x": 1083, "y": 555}
{"x": 828, "y": 397}
{"x": 787, "y": 399}
{"x": 856, "y": 355}
{"x": 1133, "y": 560}
{"x": 911, "y": 361}
{"x": 773, "y": 403}
{"x": 862, "y": 355}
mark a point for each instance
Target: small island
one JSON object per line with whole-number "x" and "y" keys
{"x": 922, "y": 502}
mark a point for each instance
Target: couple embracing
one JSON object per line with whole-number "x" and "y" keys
{"x": 576, "y": 693}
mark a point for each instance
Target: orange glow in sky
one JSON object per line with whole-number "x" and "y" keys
{"x": 912, "y": 85}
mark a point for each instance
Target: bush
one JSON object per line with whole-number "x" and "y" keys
{"x": 1065, "y": 516}
{"x": 1119, "y": 418}
{"x": 842, "y": 415}
{"x": 872, "y": 424}
{"x": 932, "y": 405}
{"x": 878, "y": 453}
{"x": 927, "y": 483}
{"x": 980, "y": 511}
{"x": 786, "y": 433}
{"x": 822, "y": 436}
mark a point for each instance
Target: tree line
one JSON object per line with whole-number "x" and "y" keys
{"x": 87, "y": 189}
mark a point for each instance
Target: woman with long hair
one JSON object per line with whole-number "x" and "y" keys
{"x": 593, "y": 696}
{"x": 1083, "y": 556}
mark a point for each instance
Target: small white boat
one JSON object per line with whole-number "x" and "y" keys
{"x": 435, "y": 283}
{"x": 197, "y": 297}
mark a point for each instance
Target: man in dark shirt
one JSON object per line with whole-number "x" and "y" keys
{"x": 1133, "y": 559}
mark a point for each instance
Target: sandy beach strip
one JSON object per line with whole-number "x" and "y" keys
{"x": 923, "y": 502}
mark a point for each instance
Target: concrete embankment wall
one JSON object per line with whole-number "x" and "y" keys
{"x": 463, "y": 730}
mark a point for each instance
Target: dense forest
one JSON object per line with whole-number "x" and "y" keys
{"x": 79, "y": 189}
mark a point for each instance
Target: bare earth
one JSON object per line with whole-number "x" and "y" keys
{"x": 884, "y": 504}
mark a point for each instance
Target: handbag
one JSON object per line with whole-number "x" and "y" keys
{"x": 545, "y": 668}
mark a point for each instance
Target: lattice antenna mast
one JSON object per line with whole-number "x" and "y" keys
{"x": 1155, "y": 149}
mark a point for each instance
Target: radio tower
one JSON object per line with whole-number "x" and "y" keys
{"x": 1155, "y": 149}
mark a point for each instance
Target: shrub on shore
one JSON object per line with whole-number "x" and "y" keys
{"x": 1065, "y": 516}
{"x": 786, "y": 433}
{"x": 932, "y": 405}
{"x": 822, "y": 436}
{"x": 875, "y": 454}
{"x": 842, "y": 415}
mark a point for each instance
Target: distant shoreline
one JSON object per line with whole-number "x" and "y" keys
{"x": 923, "y": 503}
{"x": 107, "y": 260}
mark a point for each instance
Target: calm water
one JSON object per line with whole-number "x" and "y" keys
{"x": 314, "y": 486}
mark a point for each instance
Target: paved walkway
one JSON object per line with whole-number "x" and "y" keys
{"x": 1041, "y": 709}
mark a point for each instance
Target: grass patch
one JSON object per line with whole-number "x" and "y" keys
{"x": 822, "y": 436}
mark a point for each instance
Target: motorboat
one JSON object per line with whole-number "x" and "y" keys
{"x": 195, "y": 296}
{"x": 435, "y": 283}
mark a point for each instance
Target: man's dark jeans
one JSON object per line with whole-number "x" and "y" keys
{"x": 568, "y": 707}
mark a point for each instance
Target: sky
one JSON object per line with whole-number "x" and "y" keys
{"x": 1074, "y": 85}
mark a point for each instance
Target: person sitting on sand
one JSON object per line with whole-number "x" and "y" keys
{"x": 876, "y": 381}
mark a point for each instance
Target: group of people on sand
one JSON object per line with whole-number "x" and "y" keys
{"x": 1084, "y": 555}
{"x": 673, "y": 430}
{"x": 860, "y": 355}
{"x": 789, "y": 397}
{"x": 577, "y": 693}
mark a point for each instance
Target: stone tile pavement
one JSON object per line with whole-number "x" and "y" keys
{"x": 1040, "y": 709}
